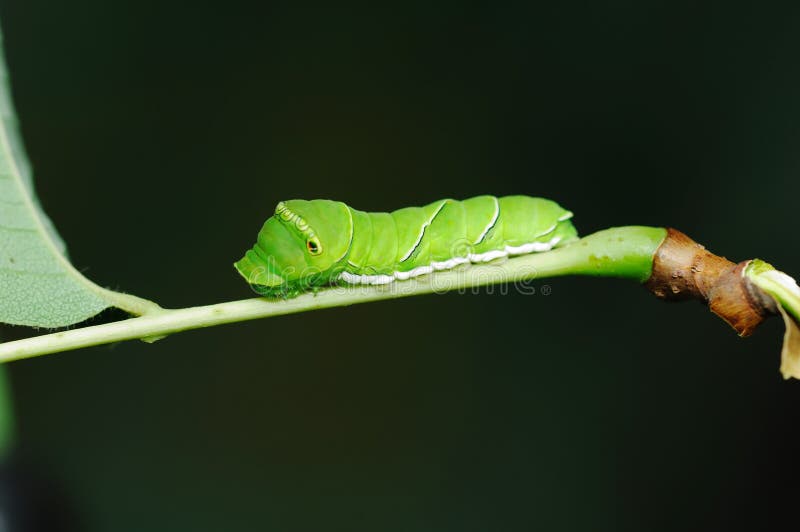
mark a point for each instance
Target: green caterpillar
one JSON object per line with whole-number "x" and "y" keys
{"x": 309, "y": 244}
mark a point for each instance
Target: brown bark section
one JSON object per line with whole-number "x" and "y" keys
{"x": 683, "y": 269}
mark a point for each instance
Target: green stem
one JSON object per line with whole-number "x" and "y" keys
{"x": 777, "y": 284}
{"x": 623, "y": 252}
{"x": 129, "y": 303}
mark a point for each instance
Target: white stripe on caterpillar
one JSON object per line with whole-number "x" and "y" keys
{"x": 507, "y": 251}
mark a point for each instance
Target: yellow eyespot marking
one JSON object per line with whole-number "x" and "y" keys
{"x": 313, "y": 245}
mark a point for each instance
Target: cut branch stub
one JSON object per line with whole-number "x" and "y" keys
{"x": 683, "y": 269}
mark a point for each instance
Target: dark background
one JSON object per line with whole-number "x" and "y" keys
{"x": 163, "y": 134}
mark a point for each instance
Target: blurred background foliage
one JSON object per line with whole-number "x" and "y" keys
{"x": 162, "y": 135}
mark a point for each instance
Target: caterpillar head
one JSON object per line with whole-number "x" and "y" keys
{"x": 301, "y": 245}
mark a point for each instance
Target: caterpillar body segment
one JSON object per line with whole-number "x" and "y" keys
{"x": 308, "y": 244}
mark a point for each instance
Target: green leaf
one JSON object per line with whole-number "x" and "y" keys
{"x": 784, "y": 290}
{"x": 780, "y": 286}
{"x": 38, "y": 285}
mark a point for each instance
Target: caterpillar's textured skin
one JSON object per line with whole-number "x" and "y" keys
{"x": 307, "y": 244}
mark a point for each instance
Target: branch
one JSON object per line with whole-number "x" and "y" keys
{"x": 623, "y": 252}
{"x": 673, "y": 266}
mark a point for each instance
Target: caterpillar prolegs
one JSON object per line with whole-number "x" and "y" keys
{"x": 308, "y": 244}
